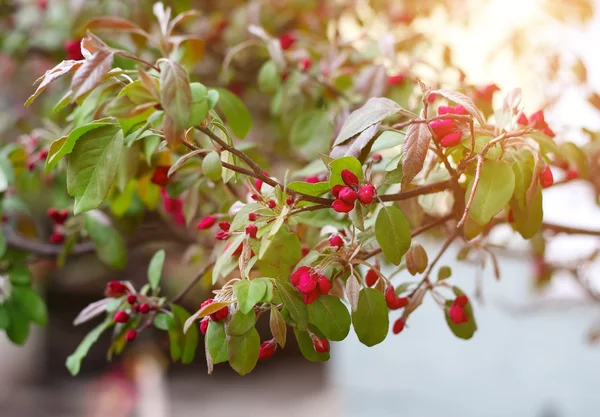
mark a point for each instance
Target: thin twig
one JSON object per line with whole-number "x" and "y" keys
{"x": 46, "y": 250}
{"x": 569, "y": 230}
{"x": 193, "y": 282}
{"x": 431, "y": 188}
{"x": 480, "y": 159}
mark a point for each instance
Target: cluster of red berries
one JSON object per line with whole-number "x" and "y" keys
{"x": 59, "y": 217}
{"x": 346, "y": 196}
{"x": 310, "y": 282}
{"x": 173, "y": 206}
{"x": 218, "y": 315}
{"x": 116, "y": 289}
{"x": 536, "y": 121}
{"x": 456, "y": 312}
{"x": 34, "y": 159}
{"x": 73, "y": 49}
{"x": 447, "y": 131}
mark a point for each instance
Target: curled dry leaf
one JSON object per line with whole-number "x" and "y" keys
{"x": 58, "y": 71}
{"x": 414, "y": 151}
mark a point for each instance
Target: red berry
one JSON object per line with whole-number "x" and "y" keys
{"x": 287, "y": 40}
{"x": 251, "y": 231}
{"x": 131, "y": 299}
{"x": 305, "y": 64}
{"x": 267, "y": 349}
{"x": 252, "y": 217}
{"x": 204, "y": 326}
{"x": 461, "y": 301}
{"x": 289, "y": 201}
{"x": 144, "y": 308}
{"x": 348, "y": 195}
{"x": 395, "y": 79}
{"x": 312, "y": 179}
{"x": 57, "y": 238}
{"x": 272, "y": 204}
{"x": 160, "y": 176}
{"x": 546, "y": 177}
{"x": 222, "y": 236}
{"x": 121, "y": 317}
{"x": 73, "y": 49}
{"x": 371, "y": 278}
{"x": 220, "y": 314}
{"x": 398, "y": 326}
{"x": 451, "y": 139}
{"x": 572, "y": 174}
{"x": 457, "y": 314}
{"x": 320, "y": 345}
{"x": 336, "y": 240}
{"x": 130, "y": 335}
{"x": 258, "y": 184}
{"x": 349, "y": 177}
{"x": 341, "y": 206}
{"x": 336, "y": 190}
{"x": 366, "y": 194}
{"x": 206, "y": 223}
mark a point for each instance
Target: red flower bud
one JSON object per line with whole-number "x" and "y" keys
{"x": 289, "y": 201}
{"x": 131, "y": 299}
{"x": 267, "y": 349}
{"x": 286, "y": 41}
{"x": 390, "y": 297}
{"x": 461, "y": 301}
{"x": 121, "y": 317}
{"x": 160, "y": 176}
{"x": 486, "y": 93}
{"x": 73, "y": 49}
{"x": 258, "y": 184}
{"x": 349, "y": 177}
{"x": 395, "y": 79}
{"x": 57, "y": 238}
{"x": 206, "y": 223}
{"x": 206, "y": 302}
{"x": 144, "y": 308}
{"x": 537, "y": 120}
{"x": 311, "y": 297}
{"x": 336, "y": 190}
{"x": 272, "y": 204}
{"x": 304, "y": 251}
{"x": 336, "y": 240}
{"x": 220, "y": 314}
{"x": 457, "y": 314}
{"x": 320, "y": 345}
{"x": 256, "y": 197}
{"x": 42, "y": 155}
{"x": 307, "y": 283}
{"x": 366, "y": 194}
{"x": 376, "y": 158}
{"x": 431, "y": 98}
{"x": 341, "y": 206}
{"x": 451, "y": 139}
{"x": 203, "y": 326}
{"x": 371, "y": 278}
{"x": 130, "y": 335}
{"x": 324, "y": 285}
{"x": 252, "y": 217}
{"x": 222, "y": 236}
{"x": 444, "y": 110}
{"x": 313, "y": 179}
{"x": 238, "y": 250}
{"x": 443, "y": 127}
{"x": 295, "y": 278}
{"x": 251, "y": 231}
{"x": 398, "y": 326}
{"x": 305, "y": 64}
{"x": 546, "y": 177}
{"x": 115, "y": 289}
{"x": 58, "y": 216}
{"x": 135, "y": 308}
{"x": 572, "y": 174}
{"x": 522, "y": 119}
{"x": 548, "y": 132}
{"x": 224, "y": 226}
{"x": 348, "y": 195}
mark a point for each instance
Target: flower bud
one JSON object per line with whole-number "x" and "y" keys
{"x": 336, "y": 240}
{"x": 144, "y": 308}
{"x": 272, "y": 204}
{"x": 287, "y": 40}
{"x": 289, "y": 201}
{"x": 342, "y": 207}
{"x": 366, "y": 194}
{"x": 267, "y": 349}
{"x": 349, "y": 177}
{"x": 572, "y": 174}
{"x": 131, "y": 299}
{"x": 398, "y": 326}
{"x": 206, "y": 223}
{"x": 130, "y": 335}
{"x": 395, "y": 79}
{"x": 160, "y": 176}
{"x": 457, "y": 314}
{"x": 252, "y": 217}
{"x": 371, "y": 278}
{"x": 348, "y": 195}
{"x": 121, "y": 317}
{"x": 222, "y": 236}
{"x": 251, "y": 230}
{"x": 220, "y": 314}
{"x": 336, "y": 190}
{"x": 57, "y": 238}
{"x": 324, "y": 285}
{"x": 546, "y": 177}
{"x": 204, "y": 325}
{"x": 258, "y": 184}
{"x": 522, "y": 120}
{"x": 224, "y": 226}
{"x": 313, "y": 179}
{"x": 416, "y": 259}
{"x": 311, "y": 297}
{"x": 320, "y": 345}
{"x": 451, "y": 139}
{"x": 305, "y": 64}
{"x": 461, "y": 301}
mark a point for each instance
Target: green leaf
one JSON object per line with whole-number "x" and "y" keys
{"x": 243, "y": 351}
{"x": 307, "y": 348}
{"x": 523, "y": 168}
{"x": 18, "y": 328}
{"x": 375, "y": 110}
{"x": 216, "y": 342}
{"x": 392, "y": 231}
{"x": 200, "y": 104}
{"x": 495, "y": 188}
{"x": 73, "y": 362}
{"x": 444, "y": 273}
{"x": 279, "y": 253}
{"x": 93, "y": 166}
{"x": 386, "y": 140}
{"x": 4, "y": 317}
{"x": 164, "y": 321}
{"x": 212, "y": 167}
{"x": 235, "y": 111}
{"x": 19, "y": 274}
{"x": 338, "y": 165}
{"x": 464, "y": 330}
{"x": 315, "y": 189}
{"x": 226, "y": 256}
{"x": 109, "y": 243}
{"x": 311, "y": 132}
{"x": 529, "y": 219}
{"x": 277, "y": 326}
{"x": 293, "y": 303}
{"x": 175, "y": 93}
{"x": 331, "y": 316}
{"x": 241, "y": 323}
{"x": 29, "y": 303}
{"x": 64, "y": 146}
{"x": 155, "y": 268}
{"x": 248, "y": 293}
{"x": 188, "y": 341}
{"x": 370, "y": 320}
{"x": 269, "y": 79}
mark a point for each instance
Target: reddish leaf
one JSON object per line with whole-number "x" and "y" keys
{"x": 58, "y": 71}
{"x": 114, "y": 24}
{"x": 461, "y": 99}
{"x": 181, "y": 17}
{"x": 175, "y": 93}
{"x": 91, "y": 73}
{"x": 416, "y": 144}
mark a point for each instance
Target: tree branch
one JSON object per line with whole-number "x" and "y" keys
{"x": 42, "y": 249}
{"x": 569, "y": 230}
{"x": 432, "y": 188}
